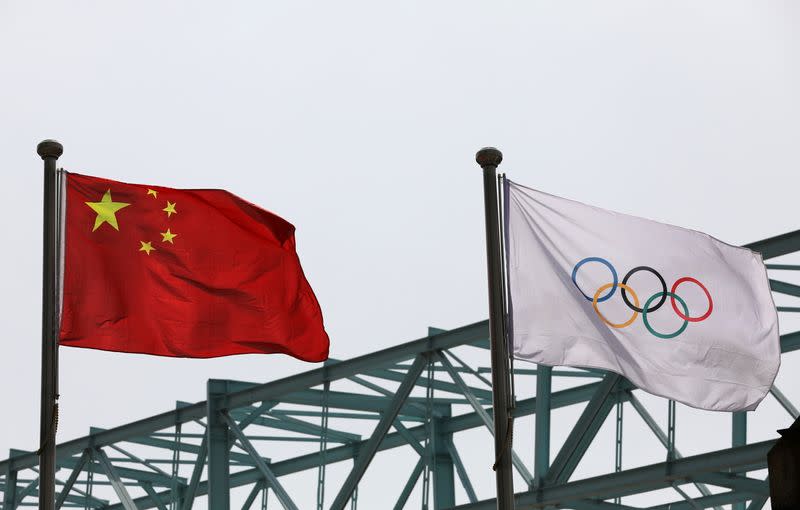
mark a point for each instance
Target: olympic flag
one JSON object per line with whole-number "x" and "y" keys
{"x": 679, "y": 313}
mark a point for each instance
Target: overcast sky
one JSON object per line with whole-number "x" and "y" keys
{"x": 358, "y": 122}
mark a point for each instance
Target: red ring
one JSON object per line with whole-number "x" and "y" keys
{"x": 675, "y": 307}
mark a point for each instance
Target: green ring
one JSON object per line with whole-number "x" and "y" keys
{"x": 653, "y": 331}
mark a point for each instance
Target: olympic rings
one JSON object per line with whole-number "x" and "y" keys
{"x": 680, "y": 329}
{"x": 602, "y": 261}
{"x": 660, "y": 279}
{"x": 625, "y": 289}
{"x": 602, "y": 317}
{"x": 686, "y": 315}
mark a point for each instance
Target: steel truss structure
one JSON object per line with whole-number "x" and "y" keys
{"x": 201, "y": 452}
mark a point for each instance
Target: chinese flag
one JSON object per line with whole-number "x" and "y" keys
{"x": 187, "y": 273}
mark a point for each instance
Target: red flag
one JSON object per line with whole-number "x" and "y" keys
{"x": 187, "y": 273}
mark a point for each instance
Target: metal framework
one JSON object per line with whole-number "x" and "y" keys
{"x": 419, "y": 396}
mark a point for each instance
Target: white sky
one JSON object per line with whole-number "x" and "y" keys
{"x": 359, "y": 122}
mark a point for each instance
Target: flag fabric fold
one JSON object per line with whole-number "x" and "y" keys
{"x": 185, "y": 273}
{"x": 679, "y": 313}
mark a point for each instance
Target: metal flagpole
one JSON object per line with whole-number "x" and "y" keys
{"x": 489, "y": 158}
{"x": 49, "y": 150}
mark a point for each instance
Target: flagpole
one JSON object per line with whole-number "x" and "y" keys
{"x": 49, "y": 150}
{"x": 489, "y": 158}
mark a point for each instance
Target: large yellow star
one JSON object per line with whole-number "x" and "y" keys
{"x": 106, "y": 211}
{"x": 168, "y": 237}
{"x": 147, "y": 247}
{"x": 170, "y": 209}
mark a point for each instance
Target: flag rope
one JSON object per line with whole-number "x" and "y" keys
{"x": 508, "y": 442}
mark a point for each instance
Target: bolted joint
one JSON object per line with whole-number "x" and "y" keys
{"x": 49, "y": 149}
{"x": 489, "y": 156}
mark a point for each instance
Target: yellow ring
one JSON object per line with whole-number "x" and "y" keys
{"x": 597, "y": 310}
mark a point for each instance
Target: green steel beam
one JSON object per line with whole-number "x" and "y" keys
{"x": 27, "y": 491}
{"x": 790, "y": 342}
{"x": 256, "y": 413}
{"x": 444, "y": 489}
{"x": 714, "y": 500}
{"x": 125, "y": 472}
{"x": 197, "y": 471}
{"x": 219, "y": 447}
{"x": 371, "y": 447}
{"x": 466, "y": 335}
{"x": 301, "y": 427}
{"x": 269, "y": 476}
{"x": 455, "y": 424}
{"x": 466, "y": 483}
{"x": 410, "y": 439}
{"x": 738, "y": 438}
{"x": 148, "y": 488}
{"x": 734, "y": 482}
{"x": 391, "y": 375}
{"x": 485, "y": 417}
{"x": 784, "y": 402}
{"x": 139, "y": 460}
{"x": 116, "y": 482}
{"x": 10, "y": 489}
{"x": 757, "y": 503}
{"x": 73, "y": 476}
{"x": 591, "y": 504}
{"x": 584, "y": 431}
{"x": 751, "y": 457}
{"x": 662, "y": 437}
{"x": 254, "y": 492}
{"x": 410, "y": 484}
{"x": 541, "y": 456}
{"x": 777, "y": 246}
{"x": 784, "y": 288}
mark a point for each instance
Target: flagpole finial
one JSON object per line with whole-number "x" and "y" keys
{"x": 49, "y": 149}
{"x": 489, "y": 156}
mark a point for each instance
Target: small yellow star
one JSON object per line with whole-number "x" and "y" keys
{"x": 170, "y": 209}
{"x": 106, "y": 211}
{"x": 168, "y": 237}
{"x": 147, "y": 247}
{"x": 152, "y": 192}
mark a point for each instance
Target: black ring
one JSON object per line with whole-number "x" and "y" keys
{"x": 663, "y": 285}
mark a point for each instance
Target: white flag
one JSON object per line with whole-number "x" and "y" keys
{"x": 679, "y": 313}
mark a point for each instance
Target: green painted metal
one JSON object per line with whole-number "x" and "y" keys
{"x": 777, "y": 246}
{"x": 739, "y": 438}
{"x": 463, "y": 475}
{"x": 784, "y": 288}
{"x": 618, "y": 443}
{"x": 300, "y": 406}
{"x": 662, "y": 436}
{"x": 444, "y": 491}
{"x": 219, "y": 446}
{"x": 670, "y": 430}
{"x": 409, "y": 485}
{"x": 643, "y": 479}
{"x": 584, "y": 431}
{"x": 784, "y": 402}
{"x": 10, "y": 489}
{"x": 269, "y": 476}
{"x": 541, "y": 456}
{"x": 365, "y": 456}
{"x": 116, "y": 482}
{"x": 148, "y": 488}
{"x": 73, "y": 477}
{"x": 200, "y": 461}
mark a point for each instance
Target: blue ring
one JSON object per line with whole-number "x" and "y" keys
{"x": 608, "y": 265}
